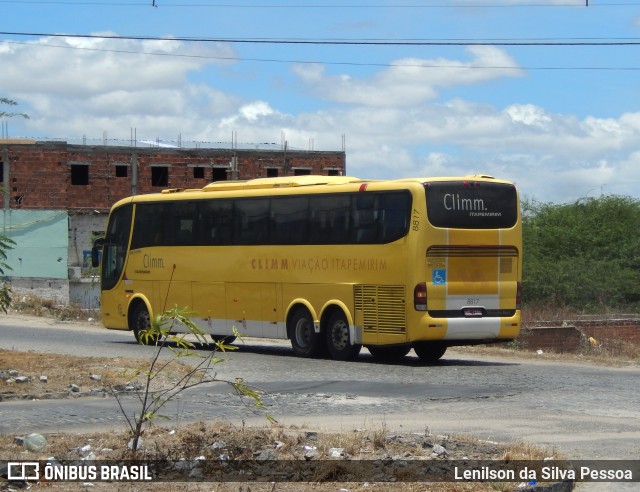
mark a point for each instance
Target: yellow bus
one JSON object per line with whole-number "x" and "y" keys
{"x": 332, "y": 263}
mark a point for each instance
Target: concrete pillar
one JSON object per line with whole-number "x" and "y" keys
{"x": 134, "y": 173}
{"x": 5, "y": 179}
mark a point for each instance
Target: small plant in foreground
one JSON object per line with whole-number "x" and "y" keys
{"x": 5, "y": 289}
{"x": 162, "y": 333}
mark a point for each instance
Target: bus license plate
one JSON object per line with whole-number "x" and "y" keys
{"x": 472, "y": 312}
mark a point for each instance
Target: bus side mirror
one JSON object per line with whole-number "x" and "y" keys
{"x": 95, "y": 252}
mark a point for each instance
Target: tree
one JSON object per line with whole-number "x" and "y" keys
{"x": 583, "y": 254}
{"x": 5, "y": 289}
{"x": 10, "y": 102}
{"x": 160, "y": 333}
{"x": 5, "y": 242}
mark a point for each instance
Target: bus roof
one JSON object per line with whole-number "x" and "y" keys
{"x": 292, "y": 182}
{"x": 282, "y": 182}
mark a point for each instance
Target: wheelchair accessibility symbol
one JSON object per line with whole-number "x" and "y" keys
{"x": 439, "y": 277}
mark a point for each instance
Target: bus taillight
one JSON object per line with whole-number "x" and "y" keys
{"x": 420, "y": 297}
{"x": 519, "y": 296}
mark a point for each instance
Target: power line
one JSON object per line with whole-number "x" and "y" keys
{"x": 290, "y": 6}
{"x": 322, "y": 62}
{"x": 352, "y": 42}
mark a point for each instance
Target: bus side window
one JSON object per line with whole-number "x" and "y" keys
{"x": 394, "y": 213}
{"x": 329, "y": 223}
{"x": 179, "y": 221}
{"x": 289, "y": 219}
{"x": 185, "y": 234}
{"x": 216, "y": 227}
{"x": 339, "y": 228}
{"x": 251, "y": 221}
{"x": 364, "y": 221}
{"x": 365, "y": 227}
{"x": 319, "y": 225}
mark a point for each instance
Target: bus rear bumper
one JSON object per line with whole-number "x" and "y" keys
{"x": 469, "y": 330}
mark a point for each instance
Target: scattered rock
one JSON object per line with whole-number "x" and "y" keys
{"x": 439, "y": 450}
{"x": 84, "y": 450}
{"x": 311, "y": 454}
{"x": 139, "y": 445}
{"x": 267, "y": 454}
{"x": 127, "y": 388}
{"x": 336, "y": 452}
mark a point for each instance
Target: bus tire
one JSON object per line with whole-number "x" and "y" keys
{"x": 304, "y": 339}
{"x": 338, "y": 338}
{"x": 389, "y": 353}
{"x": 140, "y": 321}
{"x": 430, "y": 351}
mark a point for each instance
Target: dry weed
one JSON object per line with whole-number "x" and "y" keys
{"x": 208, "y": 441}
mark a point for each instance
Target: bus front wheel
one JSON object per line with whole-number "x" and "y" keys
{"x": 140, "y": 325}
{"x": 339, "y": 339}
{"x": 430, "y": 351}
{"x": 304, "y": 339}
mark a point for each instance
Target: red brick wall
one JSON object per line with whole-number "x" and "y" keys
{"x": 576, "y": 334}
{"x": 40, "y": 173}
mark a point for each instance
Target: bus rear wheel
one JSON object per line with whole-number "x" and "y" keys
{"x": 304, "y": 339}
{"x": 389, "y": 353}
{"x": 339, "y": 338}
{"x": 140, "y": 324}
{"x": 430, "y": 351}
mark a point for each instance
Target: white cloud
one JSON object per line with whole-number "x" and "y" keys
{"x": 409, "y": 81}
{"x": 394, "y": 122}
{"x": 528, "y": 114}
{"x": 76, "y": 86}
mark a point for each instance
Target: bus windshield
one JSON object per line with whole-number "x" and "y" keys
{"x": 115, "y": 246}
{"x": 471, "y": 204}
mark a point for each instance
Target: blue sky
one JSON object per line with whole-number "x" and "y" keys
{"x": 562, "y": 120}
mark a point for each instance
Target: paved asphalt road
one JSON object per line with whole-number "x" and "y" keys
{"x": 586, "y": 411}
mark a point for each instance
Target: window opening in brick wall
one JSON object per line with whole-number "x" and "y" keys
{"x": 198, "y": 172}
{"x": 122, "y": 171}
{"x": 333, "y": 172}
{"x": 219, "y": 174}
{"x": 79, "y": 174}
{"x": 272, "y": 172}
{"x": 160, "y": 176}
{"x": 301, "y": 172}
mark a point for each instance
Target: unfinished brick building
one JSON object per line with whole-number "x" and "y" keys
{"x": 49, "y": 175}
{"x": 51, "y": 187}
